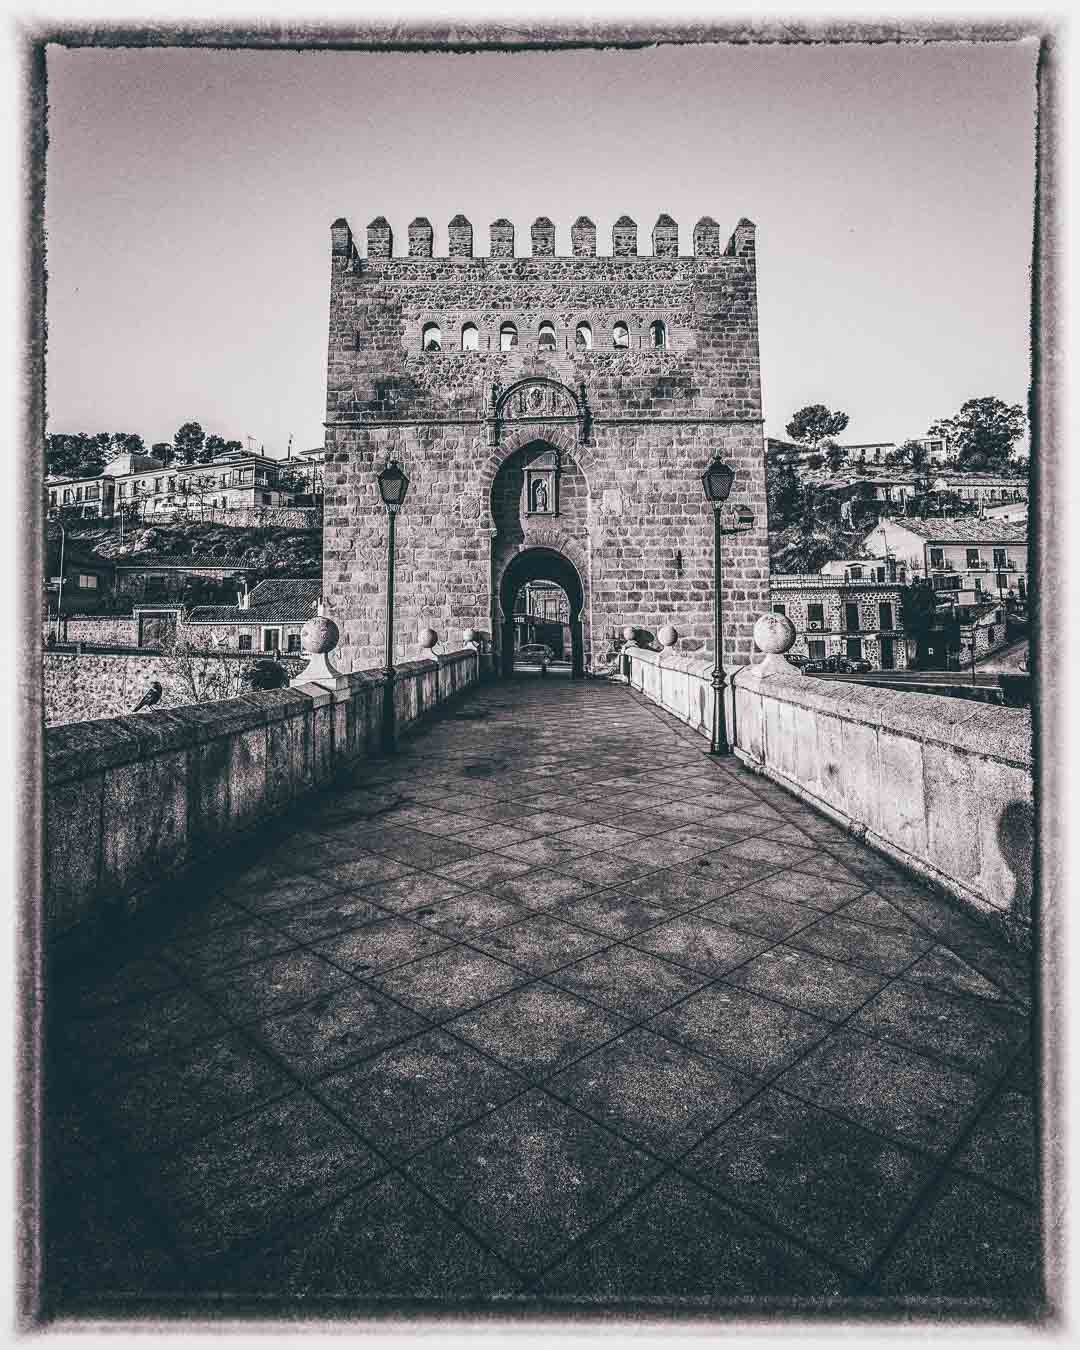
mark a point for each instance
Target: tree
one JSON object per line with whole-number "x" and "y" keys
{"x": 189, "y": 442}
{"x": 211, "y": 448}
{"x": 785, "y": 496}
{"x": 834, "y": 457}
{"x": 983, "y": 433}
{"x": 815, "y": 424}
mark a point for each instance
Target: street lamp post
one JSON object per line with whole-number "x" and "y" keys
{"x": 717, "y": 481}
{"x": 393, "y": 485}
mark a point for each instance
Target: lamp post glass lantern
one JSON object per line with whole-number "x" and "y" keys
{"x": 393, "y": 485}
{"x": 717, "y": 480}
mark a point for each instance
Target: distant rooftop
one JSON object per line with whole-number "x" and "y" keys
{"x": 284, "y": 600}
{"x": 971, "y": 529}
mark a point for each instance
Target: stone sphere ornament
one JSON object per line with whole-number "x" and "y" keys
{"x": 774, "y": 634}
{"x": 428, "y": 638}
{"x": 469, "y": 635}
{"x": 319, "y": 634}
{"x": 667, "y": 636}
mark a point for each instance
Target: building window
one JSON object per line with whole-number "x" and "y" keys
{"x": 583, "y": 337}
{"x": 1001, "y": 559}
{"x": 978, "y": 583}
{"x": 87, "y": 583}
{"x": 547, "y": 337}
{"x": 815, "y": 616}
{"x": 67, "y": 496}
{"x": 271, "y": 639}
{"x": 937, "y": 557}
{"x": 431, "y": 340}
{"x": 990, "y": 635}
{"x": 470, "y": 338}
{"x": 974, "y": 559}
{"x": 508, "y": 337}
{"x": 658, "y": 334}
{"x": 159, "y": 484}
{"x": 780, "y": 609}
{"x": 816, "y": 649}
{"x": 243, "y": 642}
{"x": 855, "y": 573}
{"x": 851, "y": 618}
{"x": 293, "y": 643}
{"x": 854, "y": 649}
{"x": 620, "y": 335}
{"x": 885, "y": 615}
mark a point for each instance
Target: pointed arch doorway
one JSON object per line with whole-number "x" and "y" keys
{"x": 541, "y": 564}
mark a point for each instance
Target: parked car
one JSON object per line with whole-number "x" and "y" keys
{"x": 534, "y": 653}
{"x": 797, "y": 659}
{"x": 815, "y": 667}
{"x": 852, "y": 665}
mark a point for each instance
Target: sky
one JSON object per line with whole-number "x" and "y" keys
{"x": 190, "y": 194}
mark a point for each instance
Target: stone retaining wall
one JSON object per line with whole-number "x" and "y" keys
{"x": 89, "y": 685}
{"x": 134, "y": 802}
{"x": 943, "y": 786}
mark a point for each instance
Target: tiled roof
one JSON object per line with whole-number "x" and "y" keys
{"x": 187, "y": 561}
{"x": 282, "y": 600}
{"x": 970, "y": 530}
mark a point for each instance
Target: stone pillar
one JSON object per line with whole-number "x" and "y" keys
{"x": 624, "y": 238}
{"x": 665, "y": 238}
{"x": 583, "y": 238}
{"x": 460, "y": 235}
{"x": 706, "y": 238}
{"x": 421, "y": 238}
{"x": 380, "y": 238}
{"x": 543, "y": 238}
{"x": 502, "y": 238}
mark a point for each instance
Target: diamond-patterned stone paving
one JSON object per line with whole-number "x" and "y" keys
{"x": 550, "y": 1011}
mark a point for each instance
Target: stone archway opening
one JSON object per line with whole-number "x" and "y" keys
{"x": 540, "y": 565}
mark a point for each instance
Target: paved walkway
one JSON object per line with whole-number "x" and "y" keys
{"x": 550, "y": 1012}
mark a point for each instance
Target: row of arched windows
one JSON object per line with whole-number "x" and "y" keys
{"x": 431, "y": 337}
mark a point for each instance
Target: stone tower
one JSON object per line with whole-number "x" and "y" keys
{"x": 554, "y": 414}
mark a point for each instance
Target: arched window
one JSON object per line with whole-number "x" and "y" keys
{"x": 432, "y": 338}
{"x": 620, "y": 335}
{"x": 583, "y": 337}
{"x": 470, "y": 338}
{"x": 547, "y": 336}
{"x": 658, "y": 333}
{"x": 507, "y": 337}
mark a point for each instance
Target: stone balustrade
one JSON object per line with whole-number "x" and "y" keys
{"x": 134, "y": 802}
{"x": 942, "y": 786}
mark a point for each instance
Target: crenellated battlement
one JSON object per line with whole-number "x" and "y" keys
{"x": 543, "y": 238}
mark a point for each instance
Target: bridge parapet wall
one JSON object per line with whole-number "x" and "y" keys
{"x": 136, "y": 803}
{"x": 942, "y": 786}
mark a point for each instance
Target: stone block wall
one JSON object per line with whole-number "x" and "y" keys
{"x": 635, "y": 427}
{"x": 133, "y": 803}
{"x": 119, "y": 629}
{"x": 79, "y": 688}
{"x": 942, "y": 786}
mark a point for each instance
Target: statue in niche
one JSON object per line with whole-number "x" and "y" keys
{"x": 540, "y": 496}
{"x": 496, "y": 390}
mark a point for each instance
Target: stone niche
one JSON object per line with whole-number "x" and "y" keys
{"x": 539, "y": 492}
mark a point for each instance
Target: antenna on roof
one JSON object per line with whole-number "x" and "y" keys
{"x": 288, "y": 452}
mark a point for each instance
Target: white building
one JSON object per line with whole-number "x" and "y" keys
{"x": 969, "y": 554}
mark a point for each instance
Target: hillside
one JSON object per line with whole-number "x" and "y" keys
{"x": 805, "y": 548}
{"x": 277, "y": 550}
